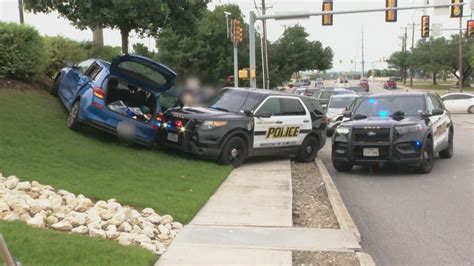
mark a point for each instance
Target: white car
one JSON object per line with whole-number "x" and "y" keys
{"x": 459, "y": 102}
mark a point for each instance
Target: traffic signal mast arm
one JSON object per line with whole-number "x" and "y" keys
{"x": 310, "y": 14}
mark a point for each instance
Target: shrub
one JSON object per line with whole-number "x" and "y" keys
{"x": 21, "y": 51}
{"x": 100, "y": 52}
{"x": 61, "y": 51}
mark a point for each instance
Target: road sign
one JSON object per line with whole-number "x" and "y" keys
{"x": 437, "y": 29}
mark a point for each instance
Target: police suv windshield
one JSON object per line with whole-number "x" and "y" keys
{"x": 342, "y": 102}
{"x": 235, "y": 101}
{"x": 385, "y": 106}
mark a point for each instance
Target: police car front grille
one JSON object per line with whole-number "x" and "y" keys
{"x": 371, "y": 135}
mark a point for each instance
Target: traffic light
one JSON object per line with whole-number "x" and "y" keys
{"x": 425, "y": 26}
{"x": 470, "y": 28}
{"x": 391, "y": 15}
{"x": 456, "y": 11}
{"x": 237, "y": 32}
{"x": 327, "y": 19}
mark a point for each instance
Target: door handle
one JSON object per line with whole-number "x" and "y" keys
{"x": 279, "y": 122}
{"x": 305, "y": 121}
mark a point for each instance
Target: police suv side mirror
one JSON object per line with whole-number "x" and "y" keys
{"x": 248, "y": 112}
{"x": 437, "y": 111}
{"x": 347, "y": 114}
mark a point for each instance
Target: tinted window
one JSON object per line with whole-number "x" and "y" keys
{"x": 461, "y": 97}
{"x": 387, "y": 105}
{"x": 340, "y": 102}
{"x": 436, "y": 104}
{"x": 430, "y": 105}
{"x": 292, "y": 107}
{"x": 142, "y": 72}
{"x": 271, "y": 106}
{"x": 167, "y": 101}
{"x": 93, "y": 71}
{"x": 83, "y": 66}
{"x": 229, "y": 100}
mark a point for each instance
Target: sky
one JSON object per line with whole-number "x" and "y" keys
{"x": 380, "y": 38}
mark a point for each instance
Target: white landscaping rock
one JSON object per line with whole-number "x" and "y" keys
{"x": 151, "y": 247}
{"x": 23, "y": 186}
{"x": 163, "y": 229}
{"x": 83, "y": 204}
{"x": 122, "y": 215}
{"x": 62, "y": 226}
{"x": 37, "y": 221}
{"x": 11, "y": 217}
{"x": 4, "y": 206}
{"x": 153, "y": 218}
{"x": 11, "y": 182}
{"x": 97, "y": 233}
{"x": 80, "y": 230}
{"x": 79, "y": 219}
{"x": 177, "y": 225}
{"x": 39, "y": 205}
{"x": 166, "y": 219}
{"x": 111, "y": 232}
{"x": 125, "y": 239}
{"x": 125, "y": 227}
{"x": 51, "y": 220}
{"x": 149, "y": 232}
{"x": 147, "y": 212}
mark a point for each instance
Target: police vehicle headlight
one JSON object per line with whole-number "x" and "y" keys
{"x": 408, "y": 129}
{"x": 213, "y": 124}
{"x": 342, "y": 130}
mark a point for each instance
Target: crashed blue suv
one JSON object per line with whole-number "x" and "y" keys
{"x": 125, "y": 97}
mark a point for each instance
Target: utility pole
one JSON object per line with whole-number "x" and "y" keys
{"x": 412, "y": 47}
{"x": 405, "y": 49}
{"x": 20, "y": 9}
{"x": 252, "y": 18}
{"x": 363, "y": 59}
{"x": 266, "y": 85}
{"x": 461, "y": 56}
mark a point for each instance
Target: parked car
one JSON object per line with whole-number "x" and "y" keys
{"x": 300, "y": 90}
{"x": 459, "y": 102}
{"x": 390, "y": 84}
{"x": 405, "y": 129}
{"x": 336, "y": 107}
{"x": 325, "y": 95}
{"x": 125, "y": 97}
{"x": 241, "y": 122}
{"x": 341, "y": 83}
{"x": 364, "y": 84}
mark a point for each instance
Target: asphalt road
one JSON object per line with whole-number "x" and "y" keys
{"x": 411, "y": 219}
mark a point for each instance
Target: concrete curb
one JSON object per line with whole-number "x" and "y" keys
{"x": 365, "y": 259}
{"x": 340, "y": 209}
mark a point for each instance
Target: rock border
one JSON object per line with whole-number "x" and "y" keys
{"x": 42, "y": 206}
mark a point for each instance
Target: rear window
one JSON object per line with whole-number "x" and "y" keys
{"x": 292, "y": 107}
{"x": 142, "y": 72}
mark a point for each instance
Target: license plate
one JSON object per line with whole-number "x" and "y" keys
{"x": 173, "y": 137}
{"x": 371, "y": 152}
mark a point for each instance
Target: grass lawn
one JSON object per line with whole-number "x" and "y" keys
{"x": 45, "y": 247}
{"x": 35, "y": 144}
{"x": 442, "y": 87}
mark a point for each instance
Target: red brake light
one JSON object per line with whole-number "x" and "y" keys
{"x": 159, "y": 117}
{"x": 99, "y": 93}
{"x": 178, "y": 123}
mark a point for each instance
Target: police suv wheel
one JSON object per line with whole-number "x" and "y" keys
{"x": 234, "y": 152}
{"x": 448, "y": 152}
{"x": 427, "y": 160}
{"x": 73, "y": 117}
{"x": 308, "y": 150}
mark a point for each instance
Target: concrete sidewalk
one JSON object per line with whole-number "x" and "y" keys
{"x": 248, "y": 221}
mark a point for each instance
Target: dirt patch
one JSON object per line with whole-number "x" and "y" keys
{"x": 38, "y": 83}
{"x": 312, "y": 209}
{"x": 324, "y": 258}
{"x": 311, "y": 206}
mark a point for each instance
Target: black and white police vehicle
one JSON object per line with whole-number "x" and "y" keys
{"x": 400, "y": 128}
{"x": 241, "y": 122}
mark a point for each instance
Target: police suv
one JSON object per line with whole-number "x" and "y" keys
{"x": 400, "y": 128}
{"x": 239, "y": 122}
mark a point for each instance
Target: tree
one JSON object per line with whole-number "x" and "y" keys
{"x": 401, "y": 61}
{"x": 144, "y": 17}
{"x": 206, "y": 51}
{"x": 293, "y": 52}
{"x": 451, "y": 57}
{"x": 433, "y": 56}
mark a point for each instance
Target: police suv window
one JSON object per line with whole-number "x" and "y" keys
{"x": 292, "y": 107}
{"x": 430, "y": 105}
{"x": 271, "y": 106}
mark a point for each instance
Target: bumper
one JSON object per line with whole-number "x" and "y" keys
{"x": 398, "y": 150}
{"x": 188, "y": 142}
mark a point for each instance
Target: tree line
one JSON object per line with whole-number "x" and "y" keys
{"x": 190, "y": 38}
{"x": 435, "y": 58}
